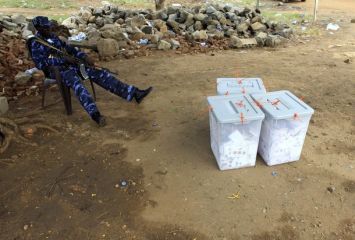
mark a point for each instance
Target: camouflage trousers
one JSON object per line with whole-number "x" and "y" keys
{"x": 102, "y": 78}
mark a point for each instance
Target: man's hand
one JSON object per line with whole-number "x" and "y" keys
{"x": 90, "y": 61}
{"x": 70, "y": 59}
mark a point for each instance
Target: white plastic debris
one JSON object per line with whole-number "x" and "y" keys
{"x": 234, "y": 129}
{"x": 78, "y": 37}
{"x": 285, "y": 126}
{"x": 32, "y": 71}
{"x": 143, "y": 41}
{"x": 333, "y": 27}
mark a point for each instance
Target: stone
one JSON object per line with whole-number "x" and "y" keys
{"x": 189, "y": 20}
{"x": 94, "y": 34}
{"x": 200, "y": 17}
{"x": 235, "y": 42}
{"x": 18, "y": 19}
{"x": 243, "y": 27}
{"x": 98, "y": 12}
{"x": 147, "y": 29}
{"x": 137, "y": 34}
{"x": 9, "y": 25}
{"x": 257, "y": 18}
{"x": 100, "y": 22}
{"x": 257, "y": 26}
{"x": 175, "y": 44}
{"x": 198, "y": 25}
{"x": 273, "y": 41}
{"x": 182, "y": 16}
{"x": 70, "y": 23}
{"x": 210, "y": 10}
{"x": 4, "y": 105}
{"x": 26, "y": 33}
{"x": 216, "y": 34}
{"x": 223, "y": 21}
{"x": 286, "y": 33}
{"x": 211, "y": 28}
{"x": 164, "y": 45}
{"x": 22, "y": 78}
{"x": 10, "y": 33}
{"x": 107, "y": 47}
{"x": 85, "y": 14}
{"x": 92, "y": 19}
{"x": 155, "y": 38}
{"x": 261, "y": 38}
{"x": 231, "y": 16}
{"x": 138, "y": 21}
{"x": 191, "y": 29}
{"x": 159, "y": 24}
{"x": 173, "y": 9}
{"x": 227, "y": 8}
{"x": 173, "y": 24}
{"x": 200, "y": 35}
{"x": 352, "y": 20}
{"x": 230, "y": 32}
{"x": 113, "y": 31}
{"x": 249, "y": 42}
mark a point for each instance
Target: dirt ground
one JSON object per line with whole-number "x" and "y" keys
{"x": 67, "y": 187}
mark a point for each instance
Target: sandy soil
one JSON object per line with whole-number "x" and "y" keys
{"x": 66, "y": 187}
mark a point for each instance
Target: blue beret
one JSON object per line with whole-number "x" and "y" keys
{"x": 41, "y": 21}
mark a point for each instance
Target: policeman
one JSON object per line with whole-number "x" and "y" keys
{"x": 44, "y": 56}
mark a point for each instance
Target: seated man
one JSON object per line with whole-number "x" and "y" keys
{"x": 44, "y": 56}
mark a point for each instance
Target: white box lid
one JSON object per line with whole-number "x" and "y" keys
{"x": 226, "y": 86}
{"x": 234, "y": 109}
{"x": 282, "y": 105}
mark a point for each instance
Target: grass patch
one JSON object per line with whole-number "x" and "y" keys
{"x": 134, "y": 3}
{"x": 59, "y": 18}
{"x": 286, "y": 17}
{"x": 36, "y": 4}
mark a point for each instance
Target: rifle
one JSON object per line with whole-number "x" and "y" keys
{"x": 80, "y": 62}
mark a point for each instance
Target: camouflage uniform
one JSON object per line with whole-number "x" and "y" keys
{"x": 43, "y": 57}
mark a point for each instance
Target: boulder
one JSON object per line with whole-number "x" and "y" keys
{"x": 22, "y": 78}
{"x": 164, "y": 45}
{"x": 70, "y": 23}
{"x": 174, "y": 44}
{"x": 189, "y": 20}
{"x": 85, "y": 14}
{"x": 257, "y": 26}
{"x": 243, "y": 27}
{"x": 200, "y": 35}
{"x": 235, "y": 42}
{"x": 18, "y": 19}
{"x": 9, "y": 25}
{"x": 200, "y": 17}
{"x": 147, "y": 29}
{"x": 210, "y": 9}
{"x": 107, "y": 47}
{"x": 198, "y": 25}
{"x": 261, "y": 38}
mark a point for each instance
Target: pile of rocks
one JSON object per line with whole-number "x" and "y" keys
{"x": 14, "y": 82}
{"x": 112, "y": 28}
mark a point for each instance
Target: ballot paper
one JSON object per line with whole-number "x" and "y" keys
{"x": 281, "y": 141}
{"x": 235, "y": 145}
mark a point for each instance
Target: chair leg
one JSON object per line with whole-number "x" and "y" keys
{"x": 65, "y": 92}
{"x": 93, "y": 89}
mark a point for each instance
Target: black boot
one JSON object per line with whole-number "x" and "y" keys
{"x": 99, "y": 119}
{"x": 139, "y": 95}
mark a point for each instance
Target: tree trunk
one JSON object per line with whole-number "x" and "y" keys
{"x": 159, "y": 4}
